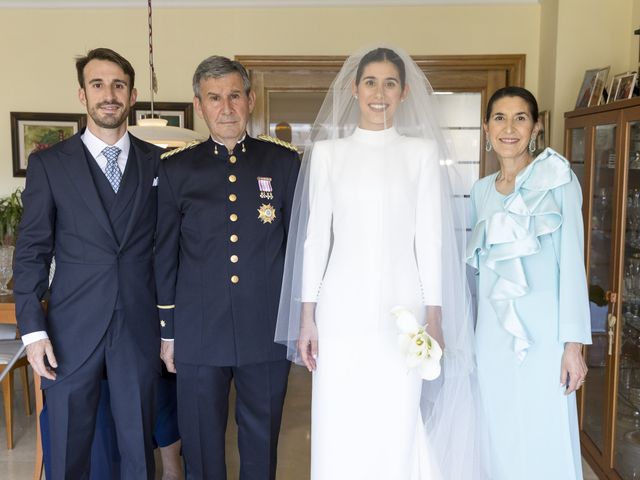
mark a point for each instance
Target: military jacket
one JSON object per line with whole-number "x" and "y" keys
{"x": 221, "y": 236}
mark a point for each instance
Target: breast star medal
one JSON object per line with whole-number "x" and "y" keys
{"x": 266, "y": 213}
{"x": 266, "y": 191}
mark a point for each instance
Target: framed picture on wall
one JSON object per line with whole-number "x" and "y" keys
{"x": 177, "y": 114}
{"x": 592, "y": 87}
{"x": 31, "y": 132}
{"x": 627, "y": 82}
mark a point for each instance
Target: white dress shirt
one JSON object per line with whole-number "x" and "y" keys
{"x": 96, "y": 146}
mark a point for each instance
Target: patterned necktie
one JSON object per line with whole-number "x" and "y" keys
{"x": 112, "y": 171}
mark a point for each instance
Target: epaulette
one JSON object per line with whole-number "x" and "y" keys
{"x": 181, "y": 149}
{"x": 277, "y": 141}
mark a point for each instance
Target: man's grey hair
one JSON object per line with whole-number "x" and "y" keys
{"x": 216, "y": 67}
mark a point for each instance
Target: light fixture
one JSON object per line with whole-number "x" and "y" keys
{"x": 154, "y": 129}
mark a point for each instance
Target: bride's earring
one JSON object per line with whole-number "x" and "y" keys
{"x": 487, "y": 146}
{"x": 355, "y": 96}
{"x": 532, "y": 145}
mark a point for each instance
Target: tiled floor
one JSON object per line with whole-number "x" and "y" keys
{"x": 17, "y": 464}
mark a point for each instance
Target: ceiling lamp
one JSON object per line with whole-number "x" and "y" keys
{"x": 154, "y": 129}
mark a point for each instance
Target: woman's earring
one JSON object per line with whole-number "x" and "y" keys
{"x": 487, "y": 146}
{"x": 355, "y": 96}
{"x": 532, "y": 145}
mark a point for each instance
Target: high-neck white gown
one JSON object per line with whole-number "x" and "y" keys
{"x": 373, "y": 242}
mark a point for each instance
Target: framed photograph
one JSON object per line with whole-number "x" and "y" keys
{"x": 598, "y": 91}
{"x": 544, "y": 134}
{"x": 592, "y": 87}
{"x": 31, "y": 132}
{"x": 613, "y": 87}
{"x": 627, "y": 82}
{"x": 178, "y": 114}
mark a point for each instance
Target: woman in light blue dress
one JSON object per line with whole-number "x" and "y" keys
{"x": 533, "y": 308}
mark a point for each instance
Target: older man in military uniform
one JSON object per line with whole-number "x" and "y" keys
{"x": 223, "y": 213}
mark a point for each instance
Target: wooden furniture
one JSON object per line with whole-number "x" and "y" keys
{"x": 603, "y": 145}
{"x": 7, "y": 316}
{"x": 39, "y": 463}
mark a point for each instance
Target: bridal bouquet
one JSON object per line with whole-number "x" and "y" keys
{"x": 422, "y": 351}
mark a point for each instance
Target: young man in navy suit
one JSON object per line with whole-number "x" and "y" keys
{"x": 223, "y": 214}
{"x": 91, "y": 201}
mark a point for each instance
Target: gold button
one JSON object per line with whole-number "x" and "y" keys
{"x": 234, "y": 258}
{"x": 233, "y": 238}
{"x": 233, "y": 159}
{"x": 235, "y": 279}
{"x": 233, "y": 217}
{"x": 233, "y": 197}
{"x": 232, "y": 178}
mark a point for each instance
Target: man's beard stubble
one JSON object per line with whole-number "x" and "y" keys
{"x": 108, "y": 121}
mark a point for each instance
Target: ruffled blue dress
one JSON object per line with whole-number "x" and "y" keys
{"x": 532, "y": 298}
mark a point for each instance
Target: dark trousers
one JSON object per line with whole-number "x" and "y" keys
{"x": 73, "y": 405}
{"x": 105, "y": 459}
{"x": 203, "y": 405}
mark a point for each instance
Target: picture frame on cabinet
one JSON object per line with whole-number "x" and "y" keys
{"x": 598, "y": 91}
{"x": 33, "y": 131}
{"x": 592, "y": 87}
{"x": 177, "y": 114}
{"x": 613, "y": 87}
{"x": 627, "y": 83}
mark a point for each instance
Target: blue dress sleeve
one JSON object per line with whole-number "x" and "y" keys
{"x": 573, "y": 306}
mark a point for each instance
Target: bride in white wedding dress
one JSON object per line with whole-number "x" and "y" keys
{"x": 376, "y": 226}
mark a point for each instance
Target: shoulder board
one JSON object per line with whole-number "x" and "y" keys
{"x": 178, "y": 150}
{"x": 277, "y": 141}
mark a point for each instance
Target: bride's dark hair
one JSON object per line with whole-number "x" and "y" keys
{"x": 382, "y": 55}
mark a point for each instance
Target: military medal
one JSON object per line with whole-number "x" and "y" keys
{"x": 264, "y": 184}
{"x": 266, "y": 213}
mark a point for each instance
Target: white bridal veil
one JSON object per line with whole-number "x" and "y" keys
{"x": 450, "y": 404}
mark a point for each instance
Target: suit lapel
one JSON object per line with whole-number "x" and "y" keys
{"x": 75, "y": 163}
{"x": 145, "y": 180}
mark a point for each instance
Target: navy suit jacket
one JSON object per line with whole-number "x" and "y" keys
{"x": 64, "y": 215}
{"x": 217, "y": 259}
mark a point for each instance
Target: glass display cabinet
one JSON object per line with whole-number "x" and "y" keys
{"x": 603, "y": 145}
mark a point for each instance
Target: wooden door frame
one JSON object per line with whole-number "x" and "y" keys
{"x": 457, "y": 73}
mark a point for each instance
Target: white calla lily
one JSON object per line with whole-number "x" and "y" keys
{"x": 430, "y": 369}
{"x": 405, "y": 320}
{"x": 404, "y": 342}
{"x": 421, "y": 350}
{"x": 435, "y": 350}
